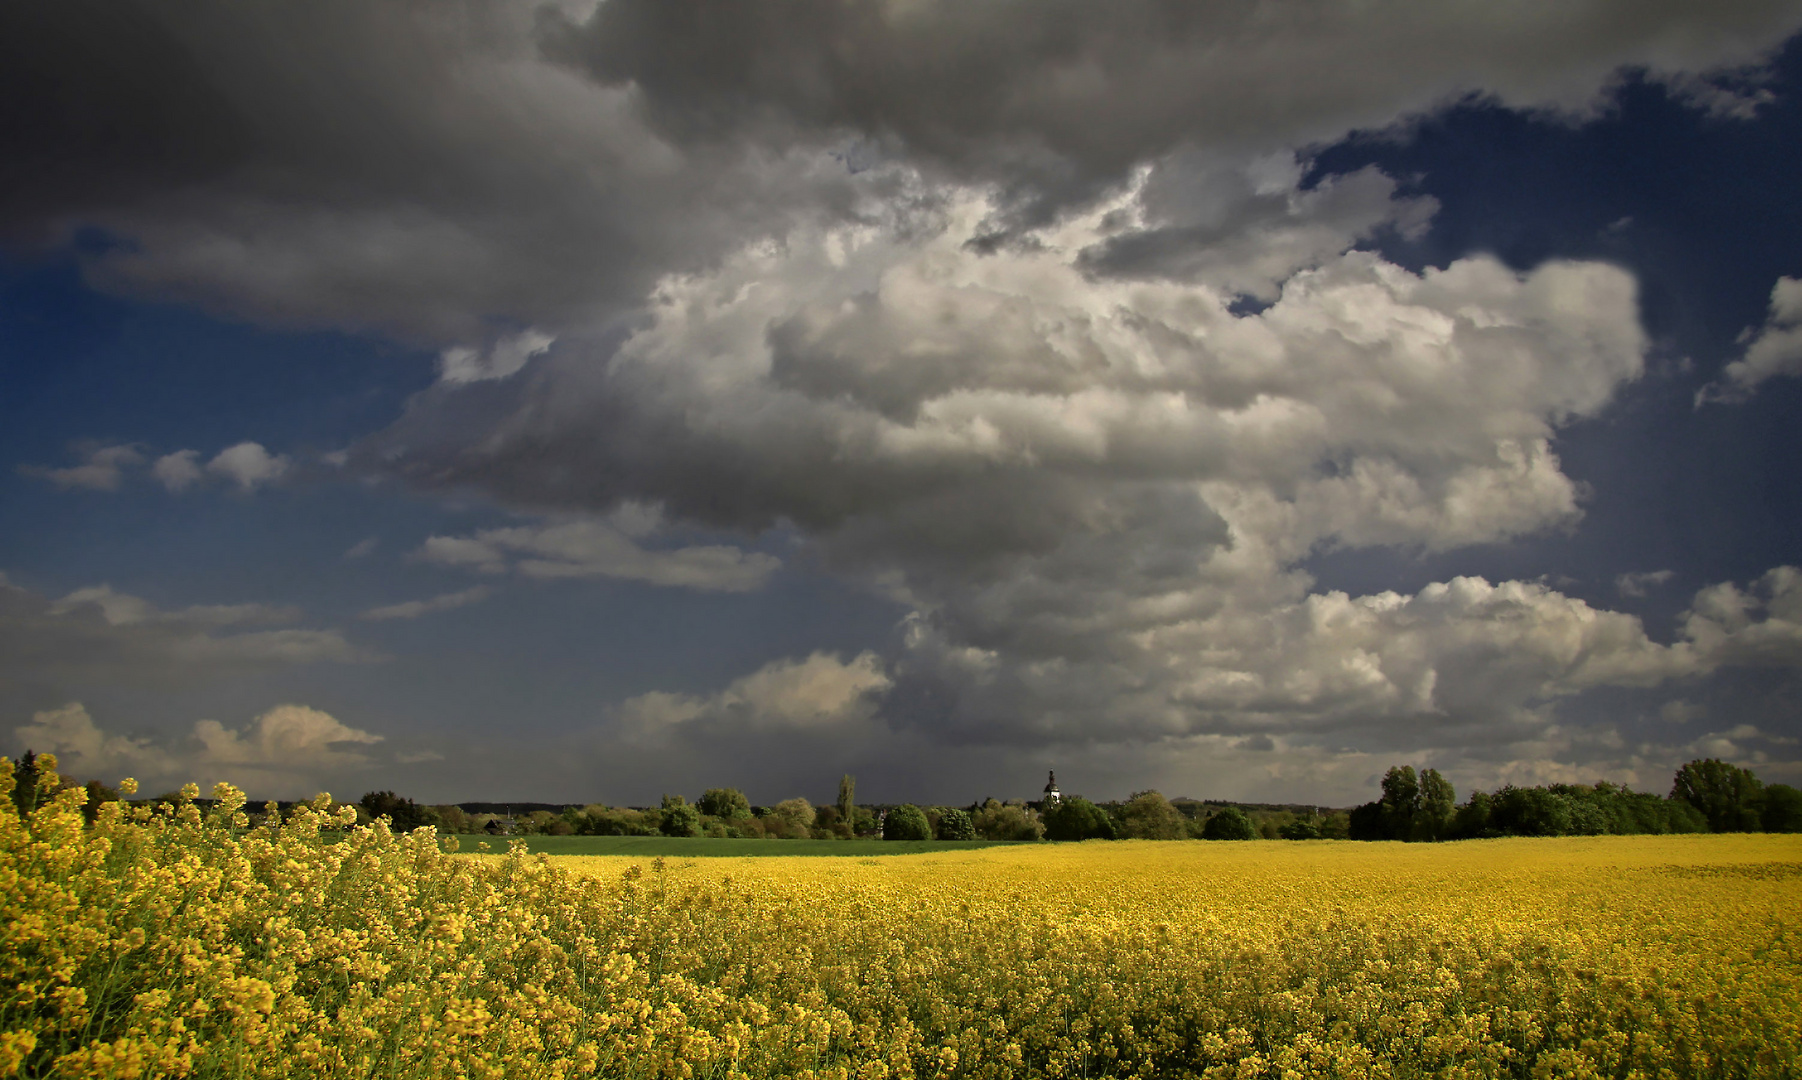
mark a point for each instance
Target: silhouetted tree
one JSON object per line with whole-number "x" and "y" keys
{"x": 1727, "y": 795}
{"x": 403, "y": 815}
{"x": 1437, "y": 803}
{"x": 1782, "y": 809}
{"x": 25, "y": 783}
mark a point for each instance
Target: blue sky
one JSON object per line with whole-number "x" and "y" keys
{"x": 566, "y": 403}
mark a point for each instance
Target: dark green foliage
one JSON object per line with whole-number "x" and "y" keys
{"x": 1366, "y": 823}
{"x": 1229, "y": 824}
{"x": 727, "y": 804}
{"x": 1573, "y": 810}
{"x": 1728, "y": 796}
{"x": 1007, "y": 821}
{"x": 955, "y": 825}
{"x": 847, "y": 801}
{"x": 1400, "y": 801}
{"x": 404, "y": 815}
{"x": 1076, "y": 818}
{"x": 25, "y": 783}
{"x": 1782, "y": 809}
{"x": 1300, "y": 829}
{"x": 1422, "y": 807}
{"x": 97, "y": 793}
{"x": 1150, "y": 816}
{"x": 906, "y": 822}
{"x": 1434, "y": 808}
{"x": 679, "y": 818}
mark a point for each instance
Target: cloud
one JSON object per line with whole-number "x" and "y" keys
{"x": 362, "y": 549}
{"x": 413, "y": 609}
{"x": 578, "y": 549}
{"x": 97, "y": 636}
{"x": 178, "y": 471}
{"x": 283, "y": 752}
{"x": 83, "y": 750}
{"x": 639, "y": 142}
{"x": 1640, "y": 583}
{"x": 286, "y": 738}
{"x": 1775, "y": 348}
{"x": 123, "y": 609}
{"x": 248, "y": 465}
{"x": 462, "y": 364}
{"x": 820, "y": 693}
{"x": 1059, "y": 99}
{"x": 1093, "y": 489}
{"x": 102, "y": 468}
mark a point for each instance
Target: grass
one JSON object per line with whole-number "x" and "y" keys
{"x": 707, "y": 846}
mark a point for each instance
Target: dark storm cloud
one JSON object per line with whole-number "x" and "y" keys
{"x": 100, "y": 105}
{"x": 1056, "y": 100}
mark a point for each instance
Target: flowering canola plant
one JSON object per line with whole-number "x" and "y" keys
{"x": 169, "y": 942}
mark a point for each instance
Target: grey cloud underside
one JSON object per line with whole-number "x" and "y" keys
{"x": 1055, "y": 101}
{"x": 97, "y": 637}
{"x": 450, "y": 172}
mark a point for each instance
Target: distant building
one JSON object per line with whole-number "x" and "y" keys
{"x": 1051, "y": 792}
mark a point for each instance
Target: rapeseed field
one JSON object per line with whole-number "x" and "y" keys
{"x": 175, "y": 943}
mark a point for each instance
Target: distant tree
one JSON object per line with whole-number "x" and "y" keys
{"x": 1782, "y": 809}
{"x": 404, "y": 815}
{"x": 1366, "y": 822}
{"x": 1150, "y": 816}
{"x": 97, "y": 793}
{"x": 906, "y": 822}
{"x": 451, "y": 818}
{"x": 1472, "y": 819}
{"x": 1076, "y": 818}
{"x": 797, "y": 814}
{"x": 1229, "y": 824}
{"x": 955, "y": 825}
{"x": 1438, "y": 802}
{"x": 1302, "y": 828}
{"x": 847, "y": 802}
{"x": 25, "y": 783}
{"x": 727, "y": 804}
{"x": 1728, "y": 796}
{"x": 1400, "y": 802}
{"x": 1007, "y": 821}
{"x": 678, "y": 818}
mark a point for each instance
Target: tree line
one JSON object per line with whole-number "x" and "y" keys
{"x": 1707, "y": 795}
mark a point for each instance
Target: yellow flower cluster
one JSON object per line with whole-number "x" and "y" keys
{"x": 176, "y": 943}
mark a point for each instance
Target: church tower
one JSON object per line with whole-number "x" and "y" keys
{"x": 1051, "y": 793}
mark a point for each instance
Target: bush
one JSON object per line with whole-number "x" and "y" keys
{"x": 956, "y": 825}
{"x": 1300, "y": 829}
{"x": 1149, "y": 816}
{"x": 679, "y": 818}
{"x": 1007, "y": 821}
{"x": 1076, "y": 818}
{"x": 907, "y": 822}
{"x": 727, "y": 804}
{"x": 1782, "y": 809}
{"x": 1229, "y": 824}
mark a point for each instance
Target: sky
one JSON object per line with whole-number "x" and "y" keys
{"x": 562, "y": 402}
